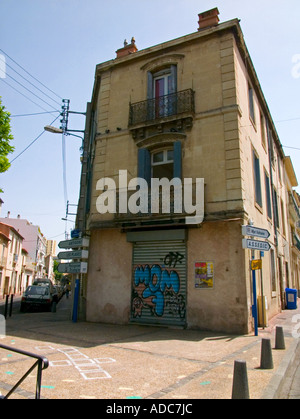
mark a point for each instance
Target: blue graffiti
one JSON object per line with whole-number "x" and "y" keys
{"x": 156, "y": 280}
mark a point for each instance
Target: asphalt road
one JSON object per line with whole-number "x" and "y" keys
{"x": 112, "y": 362}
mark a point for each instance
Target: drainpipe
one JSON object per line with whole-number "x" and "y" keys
{"x": 269, "y": 136}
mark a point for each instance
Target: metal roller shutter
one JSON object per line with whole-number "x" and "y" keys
{"x": 159, "y": 283}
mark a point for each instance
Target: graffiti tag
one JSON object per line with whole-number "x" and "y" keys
{"x": 152, "y": 285}
{"x": 172, "y": 258}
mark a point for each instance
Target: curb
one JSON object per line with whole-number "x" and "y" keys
{"x": 283, "y": 375}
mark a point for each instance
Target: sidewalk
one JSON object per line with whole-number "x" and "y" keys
{"x": 148, "y": 362}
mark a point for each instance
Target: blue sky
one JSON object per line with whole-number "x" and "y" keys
{"x": 60, "y": 42}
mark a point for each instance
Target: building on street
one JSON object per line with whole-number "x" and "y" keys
{"x": 34, "y": 242}
{"x": 190, "y": 111}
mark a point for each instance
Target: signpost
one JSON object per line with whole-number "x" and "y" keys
{"x": 255, "y": 232}
{"x": 74, "y": 254}
{"x": 256, "y": 245}
{"x": 256, "y": 264}
{"x": 77, "y": 253}
{"x": 72, "y": 268}
{"x": 74, "y": 243}
{"x": 262, "y": 246}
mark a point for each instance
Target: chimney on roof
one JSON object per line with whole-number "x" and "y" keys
{"x": 8, "y": 214}
{"x": 127, "y": 49}
{"x": 208, "y": 19}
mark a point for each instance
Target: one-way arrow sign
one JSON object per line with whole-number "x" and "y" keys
{"x": 255, "y": 232}
{"x": 75, "y": 254}
{"x": 74, "y": 243}
{"x": 256, "y": 245}
{"x": 73, "y": 268}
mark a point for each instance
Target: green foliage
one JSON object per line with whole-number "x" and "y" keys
{"x": 5, "y": 139}
{"x": 58, "y": 275}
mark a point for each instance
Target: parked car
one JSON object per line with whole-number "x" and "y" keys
{"x": 43, "y": 281}
{"x": 37, "y": 296}
{"x": 57, "y": 293}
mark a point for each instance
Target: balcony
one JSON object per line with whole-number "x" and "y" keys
{"x": 294, "y": 209}
{"x": 169, "y": 113}
{"x": 164, "y": 206}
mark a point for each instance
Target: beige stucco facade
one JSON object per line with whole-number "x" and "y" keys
{"x": 218, "y": 141}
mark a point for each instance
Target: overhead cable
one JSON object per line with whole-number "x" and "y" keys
{"x": 29, "y": 145}
{"x": 32, "y": 84}
{"x": 31, "y": 75}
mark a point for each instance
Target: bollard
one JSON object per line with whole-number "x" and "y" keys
{"x": 53, "y": 307}
{"x": 279, "y": 338}
{"x": 266, "y": 359}
{"x": 6, "y": 306}
{"x": 240, "y": 388}
{"x": 11, "y": 304}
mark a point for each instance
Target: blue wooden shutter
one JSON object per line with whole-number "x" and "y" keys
{"x": 144, "y": 164}
{"x": 173, "y": 87}
{"x": 177, "y": 171}
{"x": 149, "y": 85}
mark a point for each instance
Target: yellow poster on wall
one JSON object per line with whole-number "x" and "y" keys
{"x": 204, "y": 275}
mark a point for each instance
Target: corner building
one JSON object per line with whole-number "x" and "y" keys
{"x": 192, "y": 108}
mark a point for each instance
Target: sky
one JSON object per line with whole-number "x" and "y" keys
{"x": 60, "y": 42}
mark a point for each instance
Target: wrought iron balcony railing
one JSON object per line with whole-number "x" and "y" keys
{"x": 153, "y": 110}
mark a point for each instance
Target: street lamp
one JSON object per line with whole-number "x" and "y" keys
{"x": 52, "y": 129}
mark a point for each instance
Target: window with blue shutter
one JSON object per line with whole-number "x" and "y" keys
{"x": 162, "y": 163}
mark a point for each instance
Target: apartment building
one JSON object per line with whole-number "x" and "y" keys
{"x": 35, "y": 242}
{"x": 10, "y": 259}
{"x": 190, "y": 109}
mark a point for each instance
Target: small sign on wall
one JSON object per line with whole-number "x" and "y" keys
{"x": 204, "y": 275}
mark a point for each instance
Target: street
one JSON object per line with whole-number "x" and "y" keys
{"x": 97, "y": 361}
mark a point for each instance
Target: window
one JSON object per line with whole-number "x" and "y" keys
{"x": 276, "y": 208}
{"x": 268, "y": 196}
{"x": 162, "y": 164}
{"x": 257, "y": 184}
{"x": 251, "y": 103}
{"x": 279, "y": 168}
{"x": 161, "y": 86}
{"x": 263, "y": 130}
{"x": 283, "y": 218}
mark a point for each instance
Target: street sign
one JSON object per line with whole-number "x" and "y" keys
{"x": 74, "y": 243}
{"x": 256, "y": 264}
{"x": 255, "y": 232}
{"x": 73, "y": 268}
{"x": 256, "y": 245}
{"x": 75, "y": 233}
{"x": 75, "y": 254}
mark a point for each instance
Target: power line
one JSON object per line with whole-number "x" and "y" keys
{"x": 32, "y": 114}
{"x": 293, "y": 148}
{"x": 24, "y": 87}
{"x": 33, "y": 141}
{"x": 32, "y": 84}
{"x": 32, "y": 101}
{"x": 31, "y": 75}
{"x": 64, "y": 168}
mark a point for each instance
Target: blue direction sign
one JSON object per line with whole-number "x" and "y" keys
{"x": 262, "y": 233}
{"x": 256, "y": 245}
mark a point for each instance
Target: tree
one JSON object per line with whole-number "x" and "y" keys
{"x": 5, "y": 139}
{"x": 58, "y": 275}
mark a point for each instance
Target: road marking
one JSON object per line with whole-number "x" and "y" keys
{"x": 89, "y": 369}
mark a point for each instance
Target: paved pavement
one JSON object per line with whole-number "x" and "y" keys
{"x": 98, "y": 361}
